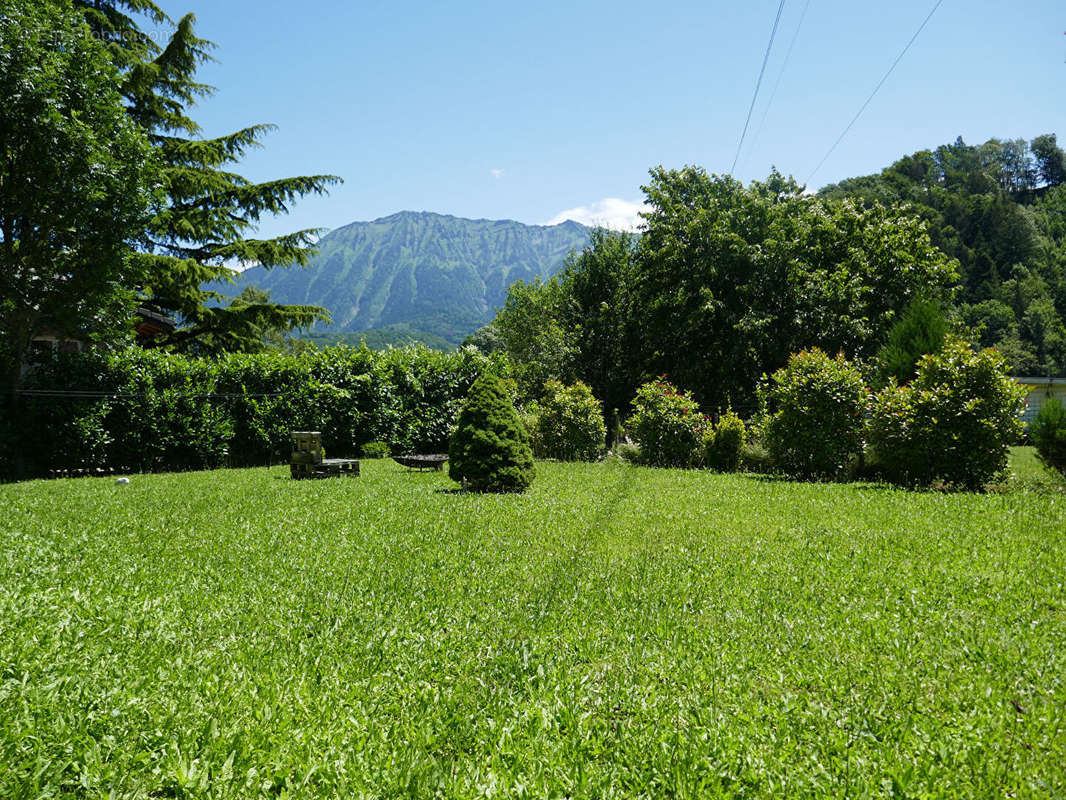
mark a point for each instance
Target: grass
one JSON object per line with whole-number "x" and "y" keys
{"x": 1028, "y": 472}
{"x": 617, "y": 632}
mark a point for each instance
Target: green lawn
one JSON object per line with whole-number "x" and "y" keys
{"x": 617, "y": 632}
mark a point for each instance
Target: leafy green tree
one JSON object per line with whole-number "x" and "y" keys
{"x": 75, "y": 183}
{"x": 534, "y": 332}
{"x": 486, "y": 340}
{"x": 1050, "y": 159}
{"x": 599, "y": 285}
{"x": 489, "y": 451}
{"x": 205, "y": 228}
{"x": 1000, "y": 209}
{"x": 734, "y": 280}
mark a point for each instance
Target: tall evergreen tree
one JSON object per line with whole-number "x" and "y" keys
{"x": 206, "y": 228}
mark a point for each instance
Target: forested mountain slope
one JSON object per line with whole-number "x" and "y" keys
{"x": 419, "y": 272}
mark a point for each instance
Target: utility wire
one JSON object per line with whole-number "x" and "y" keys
{"x": 758, "y": 84}
{"x": 876, "y": 90}
{"x": 781, "y": 75}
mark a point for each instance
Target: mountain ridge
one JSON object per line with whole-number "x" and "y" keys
{"x": 418, "y": 270}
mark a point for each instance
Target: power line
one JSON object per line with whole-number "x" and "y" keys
{"x": 876, "y": 90}
{"x": 781, "y": 75}
{"x": 758, "y": 84}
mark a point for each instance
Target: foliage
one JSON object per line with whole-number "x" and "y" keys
{"x": 953, "y": 423}
{"x": 241, "y": 627}
{"x": 667, "y": 425}
{"x": 535, "y": 336}
{"x": 489, "y": 451}
{"x": 734, "y": 279}
{"x": 599, "y": 287}
{"x": 629, "y": 452}
{"x": 1000, "y": 209}
{"x": 755, "y": 458}
{"x": 75, "y": 184}
{"x": 375, "y": 450}
{"x": 921, "y": 330}
{"x": 1048, "y": 434}
{"x": 723, "y": 443}
{"x": 569, "y": 424}
{"x": 487, "y": 339}
{"x": 146, "y": 410}
{"x": 207, "y": 224}
{"x": 815, "y": 411}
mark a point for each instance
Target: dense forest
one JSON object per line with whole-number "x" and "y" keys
{"x": 1000, "y": 210}
{"x": 725, "y": 281}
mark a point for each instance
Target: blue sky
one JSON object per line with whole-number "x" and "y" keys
{"x": 526, "y": 111}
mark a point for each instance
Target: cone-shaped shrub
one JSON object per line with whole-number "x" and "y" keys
{"x": 490, "y": 451}
{"x": 1048, "y": 432}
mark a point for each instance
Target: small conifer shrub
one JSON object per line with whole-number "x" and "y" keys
{"x": 490, "y": 451}
{"x": 1048, "y": 433}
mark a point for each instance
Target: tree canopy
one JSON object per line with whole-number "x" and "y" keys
{"x": 206, "y": 228}
{"x": 1000, "y": 209}
{"x": 76, "y": 180}
{"x": 723, "y": 285}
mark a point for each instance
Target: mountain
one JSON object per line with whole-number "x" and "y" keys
{"x": 418, "y": 275}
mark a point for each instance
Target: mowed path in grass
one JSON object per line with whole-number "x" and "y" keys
{"x": 617, "y": 631}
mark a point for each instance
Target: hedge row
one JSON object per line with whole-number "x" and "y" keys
{"x": 145, "y": 411}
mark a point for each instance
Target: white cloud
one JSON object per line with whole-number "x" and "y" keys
{"x": 611, "y": 212}
{"x": 496, "y": 173}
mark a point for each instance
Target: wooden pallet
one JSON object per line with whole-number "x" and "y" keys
{"x": 309, "y": 458}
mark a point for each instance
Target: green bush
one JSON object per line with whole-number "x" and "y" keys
{"x": 1048, "y": 434}
{"x": 667, "y": 425}
{"x": 569, "y": 425}
{"x": 529, "y": 416}
{"x": 723, "y": 443}
{"x": 628, "y": 452}
{"x": 375, "y": 450}
{"x": 755, "y": 458}
{"x": 954, "y": 423}
{"x": 815, "y": 408}
{"x": 490, "y": 449}
{"x": 149, "y": 411}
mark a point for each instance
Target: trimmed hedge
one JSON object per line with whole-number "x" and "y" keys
{"x": 140, "y": 410}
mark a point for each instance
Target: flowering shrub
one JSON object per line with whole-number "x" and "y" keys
{"x": 953, "y": 423}
{"x": 814, "y": 420}
{"x": 569, "y": 424}
{"x": 668, "y": 425}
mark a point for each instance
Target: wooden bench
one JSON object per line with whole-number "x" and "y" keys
{"x": 309, "y": 458}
